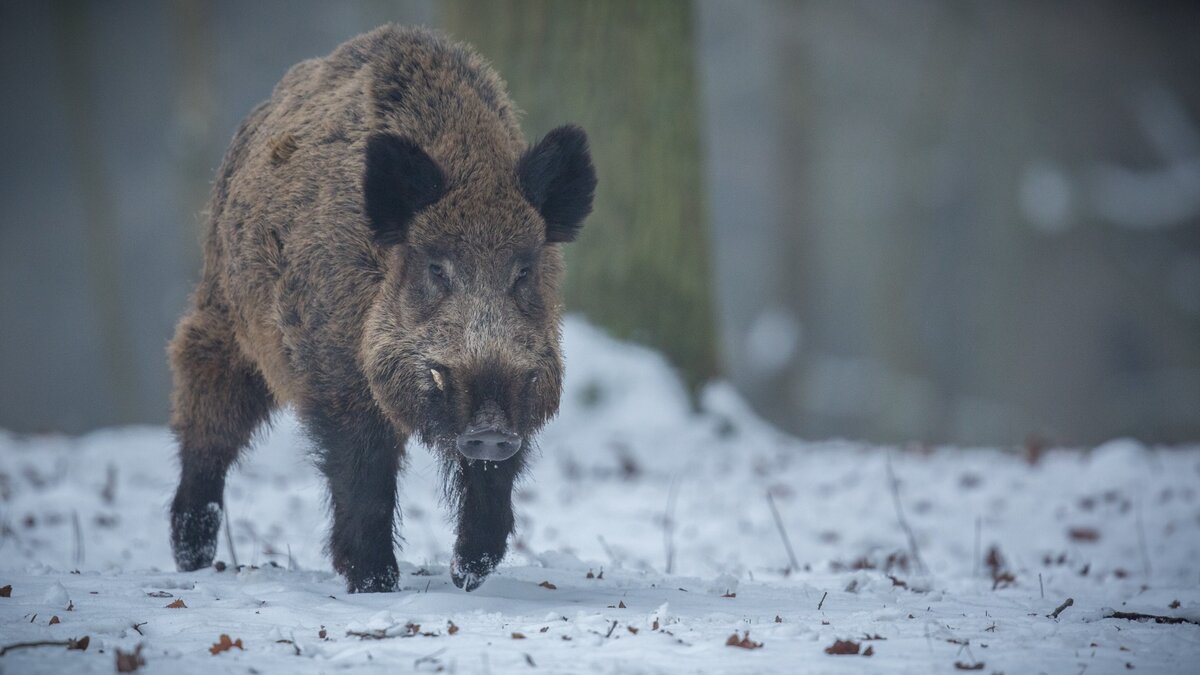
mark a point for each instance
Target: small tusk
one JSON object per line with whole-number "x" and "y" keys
{"x": 437, "y": 379}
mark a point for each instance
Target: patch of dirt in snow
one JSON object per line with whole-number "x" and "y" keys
{"x": 628, "y": 477}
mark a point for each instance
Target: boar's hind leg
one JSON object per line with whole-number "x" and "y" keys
{"x": 483, "y": 492}
{"x": 219, "y": 399}
{"x": 359, "y": 452}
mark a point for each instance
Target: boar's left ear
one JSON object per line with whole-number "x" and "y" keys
{"x": 399, "y": 180}
{"x": 557, "y": 177}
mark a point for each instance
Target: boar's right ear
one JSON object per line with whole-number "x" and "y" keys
{"x": 558, "y": 178}
{"x": 399, "y": 180}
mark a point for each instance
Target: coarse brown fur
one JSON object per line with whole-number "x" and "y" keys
{"x": 384, "y": 256}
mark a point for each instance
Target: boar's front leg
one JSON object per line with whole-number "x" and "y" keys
{"x": 359, "y": 453}
{"x": 483, "y": 492}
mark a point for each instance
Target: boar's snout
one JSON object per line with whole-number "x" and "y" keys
{"x": 488, "y": 436}
{"x": 488, "y": 443}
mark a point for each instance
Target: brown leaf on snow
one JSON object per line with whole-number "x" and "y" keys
{"x": 178, "y": 604}
{"x": 729, "y": 595}
{"x": 1003, "y": 580}
{"x": 1173, "y": 605}
{"x": 843, "y": 648}
{"x": 621, "y": 605}
{"x": 959, "y": 665}
{"x": 518, "y": 636}
{"x": 451, "y": 629}
{"x": 547, "y": 585}
{"x": 323, "y": 634}
{"x": 6, "y": 591}
{"x": 778, "y": 619}
{"x": 53, "y": 620}
{"x": 632, "y": 630}
{"x": 224, "y": 644}
{"x": 745, "y": 642}
{"x": 1085, "y": 534}
{"x": 869, "y": 651}
{"x": 127, "y": 662}
{"x": 590, "y": 575}
{"x": 81, "y": 644}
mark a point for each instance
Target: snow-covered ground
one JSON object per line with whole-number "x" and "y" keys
{"x": 628, "y": 472}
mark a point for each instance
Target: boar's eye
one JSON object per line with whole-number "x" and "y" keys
{"x": 523, "y": 272}
{"x": 438, "y": 271}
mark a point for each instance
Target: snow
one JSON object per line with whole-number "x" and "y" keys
{"x": 628, "y": 467}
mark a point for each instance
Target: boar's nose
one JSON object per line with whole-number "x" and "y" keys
{"x": 488, "y": 443}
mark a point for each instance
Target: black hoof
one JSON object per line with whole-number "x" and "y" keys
{"x": 386, "y": 580}
{"x": 469, "y": 576}
{"x": 194, "y": 536}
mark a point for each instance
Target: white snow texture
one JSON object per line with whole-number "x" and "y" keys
{"x": 627, "y": 472}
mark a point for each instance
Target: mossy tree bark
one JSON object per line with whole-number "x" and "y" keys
{"x": 624, "y": 71}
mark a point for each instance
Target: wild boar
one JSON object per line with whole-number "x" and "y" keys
{"x": 384, "y": 256}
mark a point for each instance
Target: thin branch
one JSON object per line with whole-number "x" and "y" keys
{"x": 822, "y": 602}
{"x": 978, "y": 543}
{"x": 669, "y": 524}
{"x": 793, "y": 565}
{"x": 1141, "y": 529}
{"x": 78, "y": 538}
{"x": 229, "y": 539}
{"x": 894, "y": 485}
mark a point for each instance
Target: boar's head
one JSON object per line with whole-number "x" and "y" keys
{"x": 461, "y": 346}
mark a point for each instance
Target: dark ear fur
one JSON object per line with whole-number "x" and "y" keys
{"x": 557, "y": 177}
{"x": 398, "y": 181}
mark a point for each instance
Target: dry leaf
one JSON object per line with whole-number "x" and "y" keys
{"x": 178, "y": 604}
{"x": 81, "y": 644}
{"x": 590, "y": 575}
{"x": 452, "y": 629}
{"x": 548, "y": 585}
{"x": 621, "y": 605}
{"x": 1086, "y": 534}
{"x": 518, "y": 636}
{"x": 778, "y": 619}
{"x": 959, "y": 665}
{"x": 744, "y": 643}
{"x": 6, "y": 591}
{"x": 224, "y": 644}
{"x": 843, "y": 648}
{"x": 869, "y": 651}
{"x": 632, "y": 630}
{"x": 323, "y": 634}
{"x": 729, "y": 595}
{"x": 127, "y": 662}
{"x": 1173, "y": 605}
{"x": 654, "y": 626}
{"x": 53, "y": 620}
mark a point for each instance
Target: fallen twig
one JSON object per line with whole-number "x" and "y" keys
{"x": 1067, "y": 603}
{"x": 793, "y": 565}
{"x": 80, "y": 644}
{"x": 1156, "y": 618}
{"x": 822, "y": 602}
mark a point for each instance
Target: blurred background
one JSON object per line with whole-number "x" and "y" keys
{"x": 933, "y": 222}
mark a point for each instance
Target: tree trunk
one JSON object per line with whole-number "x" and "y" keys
{"x": 623, "y": 70}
